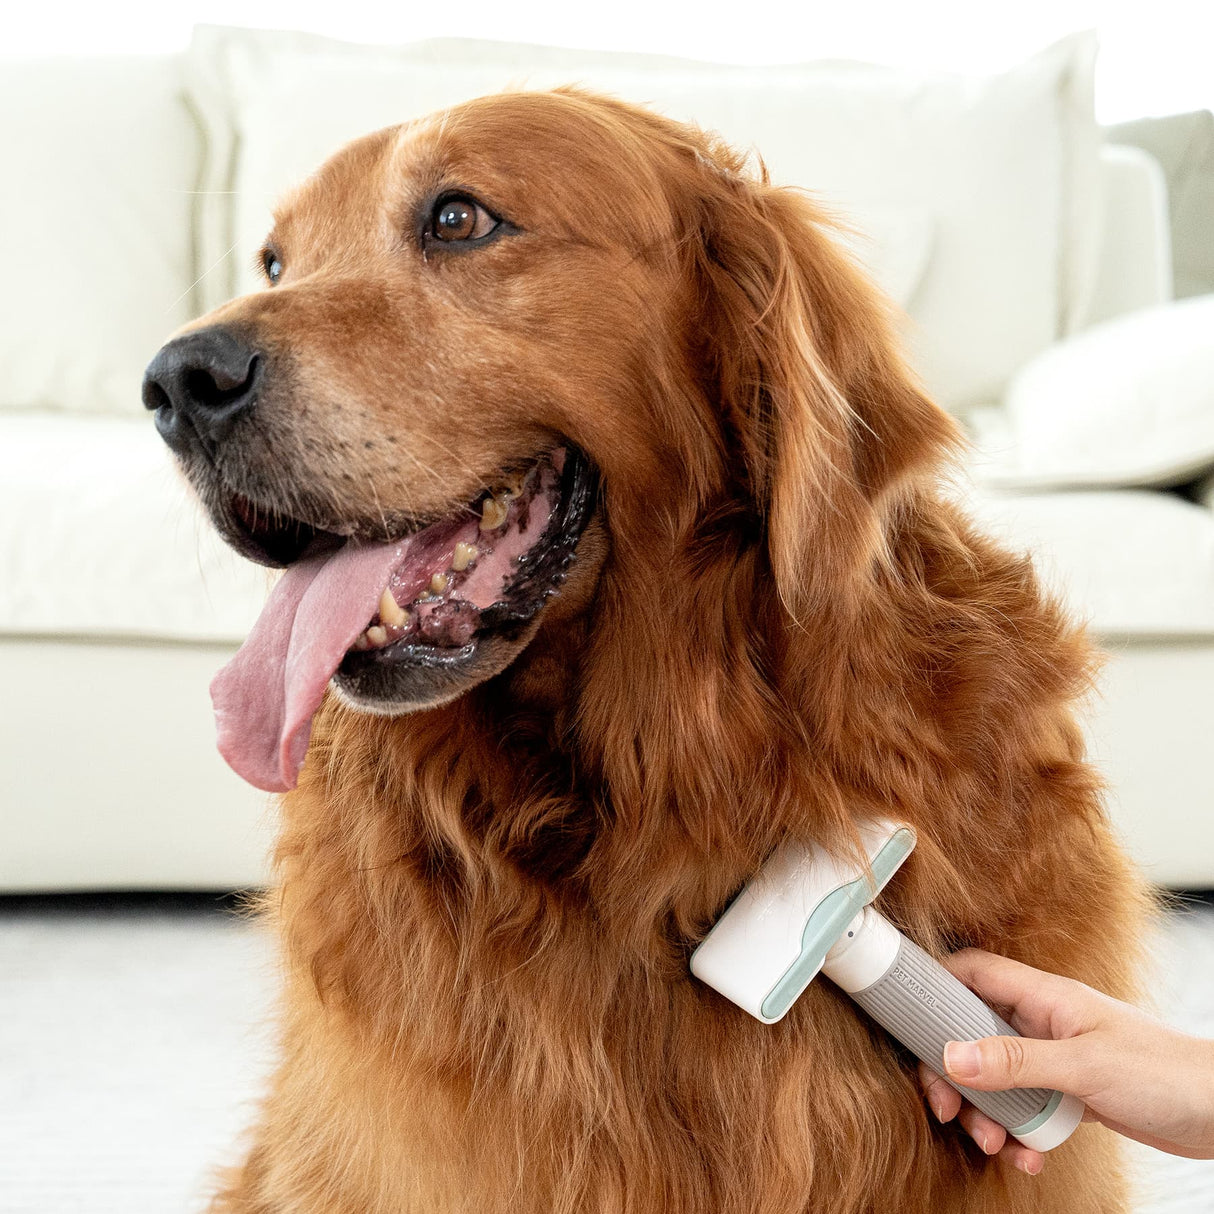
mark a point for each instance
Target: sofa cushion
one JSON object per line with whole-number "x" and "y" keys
{"x": 99, "y": 538}
{"x": 101, "y": 160}
{"x": 1127, "y": 402}
{"x": 1130, "y": 562}
{"x": 1000, "y": 173}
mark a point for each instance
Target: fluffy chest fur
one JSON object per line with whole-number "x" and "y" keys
{"x": 487, "y": 927}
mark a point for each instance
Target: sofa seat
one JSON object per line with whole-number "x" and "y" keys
{"x": 100, "y": 538}
{"x": 1132, "y": 562}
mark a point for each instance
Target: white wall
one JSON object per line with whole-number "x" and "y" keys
{"x": 1156, "y": 55}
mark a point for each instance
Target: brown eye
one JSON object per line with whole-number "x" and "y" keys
{"x": 457, "y": 217}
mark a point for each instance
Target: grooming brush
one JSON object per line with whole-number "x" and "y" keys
{"x": 808, "y": 911}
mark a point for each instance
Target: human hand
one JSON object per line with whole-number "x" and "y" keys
{"x": 1136, "y": 1075}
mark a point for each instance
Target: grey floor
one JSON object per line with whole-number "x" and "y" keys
{"x": 134, "y": 1041}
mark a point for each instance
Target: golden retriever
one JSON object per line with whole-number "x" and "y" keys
{"x": 615, "y": 555}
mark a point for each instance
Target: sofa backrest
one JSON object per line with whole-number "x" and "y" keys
{"x": 96, "y": 240}
{"x": 980, "y": 194}
{"x": 981, "y": 200}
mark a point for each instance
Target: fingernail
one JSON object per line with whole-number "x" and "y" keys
{"x": 938, "y": 1109}
{"x": 1031, "y": 1166}
{"x": 962, "y": 1059}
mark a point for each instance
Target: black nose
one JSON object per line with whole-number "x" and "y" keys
{"x": 200, "y": 385}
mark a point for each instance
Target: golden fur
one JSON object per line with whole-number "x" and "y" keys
{"x": 777, "y": 624}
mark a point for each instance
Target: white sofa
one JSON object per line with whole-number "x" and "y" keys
{"x": 139, "y": 176}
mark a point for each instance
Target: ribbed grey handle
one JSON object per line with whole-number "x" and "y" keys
{"x": 924, "y": 1006}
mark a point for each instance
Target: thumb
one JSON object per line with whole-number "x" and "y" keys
{"x": 996, "y": 1063}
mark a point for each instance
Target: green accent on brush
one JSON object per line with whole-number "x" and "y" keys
{"x": 829, "y": 920}
{"x": 1035, "y": 1123}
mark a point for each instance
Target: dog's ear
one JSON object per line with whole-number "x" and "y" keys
{"x": 831, "y": 427}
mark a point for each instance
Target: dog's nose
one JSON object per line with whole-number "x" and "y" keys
{"x": 200, "y": 384}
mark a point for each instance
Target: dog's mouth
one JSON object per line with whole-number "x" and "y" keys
{"x": 397, "y": 625}
{"x": 490, "y": 568}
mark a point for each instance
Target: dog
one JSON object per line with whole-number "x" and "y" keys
{"x": 616, "y": 553}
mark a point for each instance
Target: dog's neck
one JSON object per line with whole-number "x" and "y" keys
{"x": 598, "y": 803}
{"x": 639, "y": 762}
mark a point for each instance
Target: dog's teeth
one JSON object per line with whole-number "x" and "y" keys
{"x": 465, "y": 554}
{"x": 377, "y": 635}
{"x": 493, "y": 512}
{"x": 439, "y": 583}
{"x": 390, "y": 611}
{"x": 361, "y": 642}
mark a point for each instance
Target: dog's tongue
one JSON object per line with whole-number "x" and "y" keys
{"x": 266, "y": 695}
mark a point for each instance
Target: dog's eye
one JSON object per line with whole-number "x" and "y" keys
{"x": 458, "y": 217}
{"x": 271, "y": 264}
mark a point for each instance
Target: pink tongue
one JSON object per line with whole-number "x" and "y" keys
{"x": 266, "y": 695}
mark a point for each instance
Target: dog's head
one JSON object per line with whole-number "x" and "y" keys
{"x": 542, "y": 338}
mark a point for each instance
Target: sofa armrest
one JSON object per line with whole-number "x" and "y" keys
{"x": 1134, "y": 263}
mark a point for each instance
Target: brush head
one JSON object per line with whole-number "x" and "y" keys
{"x": 771, "y": 942}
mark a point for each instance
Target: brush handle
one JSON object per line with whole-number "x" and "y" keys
{"x": 911, "y": 995}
